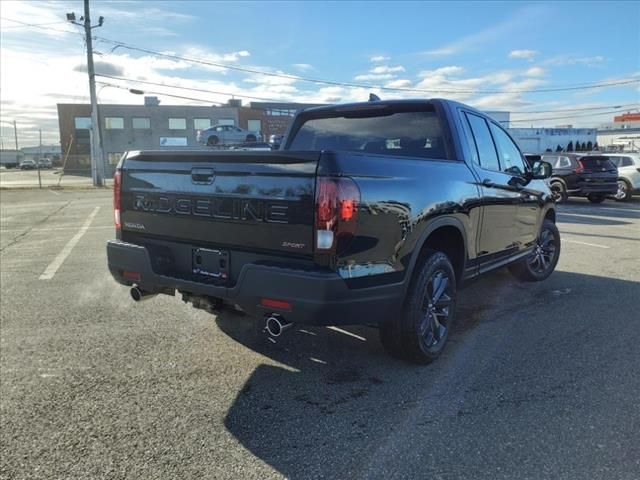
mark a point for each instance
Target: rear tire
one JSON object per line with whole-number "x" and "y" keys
{"x": 558, "y": 192}
{"x": 212, "y": 140}
{"x": 624, "y": 191}
{"x": 543, "y": 260}
{"x": 420, "y": 333}
{"x": 596, "y": 198}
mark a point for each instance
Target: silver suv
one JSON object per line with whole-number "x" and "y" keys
{"x": 628, "y": 165}
{"x": 226, "y": 135}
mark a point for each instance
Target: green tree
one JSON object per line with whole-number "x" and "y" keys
{"x": 589, "y": 145}
{"x": 570, "y": 147}
{"x": 558, "y": 148}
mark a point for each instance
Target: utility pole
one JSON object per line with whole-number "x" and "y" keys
{"x": 38, "y": 161}
{"x": 15, "y": 134}
{"x": 97, "y": 162}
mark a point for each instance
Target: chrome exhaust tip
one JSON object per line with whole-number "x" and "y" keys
{"x": 276, "y": 326}
{"x": 140, "y": 295}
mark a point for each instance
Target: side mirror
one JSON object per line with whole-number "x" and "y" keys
{"x": 541, "y": 169}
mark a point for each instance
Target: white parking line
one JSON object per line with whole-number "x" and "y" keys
{"x": 53, "y": 267}
{"x": 339, "y": 330}
{"x": 585, "y": 243}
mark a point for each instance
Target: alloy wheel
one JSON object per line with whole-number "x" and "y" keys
{"x": 622, "y": 192}
{"x": 543, "y": 255}
{"x": 434, "y": 324}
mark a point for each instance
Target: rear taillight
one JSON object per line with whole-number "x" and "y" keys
{"x": 337, "y": 200}
{"x": 117, "y": 190}
{"x": 580, "y": 168}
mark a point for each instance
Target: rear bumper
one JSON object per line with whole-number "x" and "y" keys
{"x": 597, "y": 188}
{"x": 317, "y": 298}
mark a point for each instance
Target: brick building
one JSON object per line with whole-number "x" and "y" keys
{"x": 154, "y": 127}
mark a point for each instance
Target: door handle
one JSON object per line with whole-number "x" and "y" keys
{"x": 202, "y": 175}
{"x": 487, "y": 183}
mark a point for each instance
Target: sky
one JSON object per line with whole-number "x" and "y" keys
{"x": 481, "y": 53}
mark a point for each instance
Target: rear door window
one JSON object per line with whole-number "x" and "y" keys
{"x": 401, "y": 133}
{"x": 597, "y": 163}
{"x": 510, "y": 156}
{"x": 484, "y": 143}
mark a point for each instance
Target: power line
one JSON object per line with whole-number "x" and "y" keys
{"x": 570, "y": 116}
{"x": 39, "y": 26}
{"x": 161, "y": 93}
{"x": 283, "y": 101}
{"x": 579, "y": 109}
{"x": 355, "y": 85}
{"x": 146, "y": 82}
{"x": 337, "y": 83}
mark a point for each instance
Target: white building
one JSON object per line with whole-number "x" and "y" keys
{"x": 540, "y": 140}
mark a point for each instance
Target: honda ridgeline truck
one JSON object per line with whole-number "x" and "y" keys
{"x": 370, "y": 213}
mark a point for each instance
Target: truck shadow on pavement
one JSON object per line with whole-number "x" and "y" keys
{"x": 327, "y": 403}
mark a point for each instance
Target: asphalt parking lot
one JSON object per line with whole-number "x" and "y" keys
{"x": 538, "y": 381}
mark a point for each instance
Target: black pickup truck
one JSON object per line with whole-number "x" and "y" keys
{"x": 370, "y": 213}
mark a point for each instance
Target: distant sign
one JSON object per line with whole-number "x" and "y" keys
{"x": 173, "y": 141}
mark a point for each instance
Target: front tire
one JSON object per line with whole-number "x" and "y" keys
{"x": 420, "y": 333}
{"x": 251, "y": 138}
{"x": 596, "y": 198}
{"x": 543, "y": 260}
{"x": 558, "y": 192}
{"x": 624, "y": 191}
{"x": 212, "y": 140}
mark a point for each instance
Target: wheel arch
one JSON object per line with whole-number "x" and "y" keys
{"x": 447, "y": 235}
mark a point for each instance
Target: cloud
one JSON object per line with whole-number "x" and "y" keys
{"x": 102, "y": 68}
{"x": 534, "y": 72}
{"x": 515, "y": 24}
{"x": 441, "y": 71}
{"x": 386, "y": 69}
{"x": 373, "y": 77}
{"x": 524, "y": 54}
{"x": 303, "y": 66}
{"x": 399, "y": 83}
{"x": 380, "y": 59}
{"x": 562, "y": 60}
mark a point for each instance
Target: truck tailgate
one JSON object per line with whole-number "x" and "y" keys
{"x": 256, "y": 201}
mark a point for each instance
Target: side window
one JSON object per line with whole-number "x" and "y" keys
{"x": 626, "y": 162}
{"x": 510, "y": 157}
{"x": 469, "y": 136}
{"x": 484, "y": 143}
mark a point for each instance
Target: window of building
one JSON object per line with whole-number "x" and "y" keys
{"x": 254, "y": 125}
{"x": 510, "y": 157}
{"x": 177, "y": 124}
{"x": 82, "y": 123}
{"x": 227, "y": 121}
{"x": 114, "y": 158}
{"x": 141, "y": 123}
{"x": 281, "y": 112}
{"x": 114, "y": 123}
{"x": 484, "y": 142}
{"x": 201, "y": 123}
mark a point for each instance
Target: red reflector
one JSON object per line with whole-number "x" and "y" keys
{"x": 131, "y": 275}
{"x": 347, "y": 209}
{"x": 117, "y": 191}
{"x": 277, "y": 304}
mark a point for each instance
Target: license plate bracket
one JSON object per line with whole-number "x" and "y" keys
{"x": 211, "y": 263}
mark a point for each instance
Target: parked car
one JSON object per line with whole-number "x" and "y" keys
{"x": 582, "y": 175}
{"x": 44, "y": 163}
{"x": 372, "y": 213}
{"x": 28, "y": 165}
{"x": 226, "y": 135}
{"x": 628, "y": 165}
